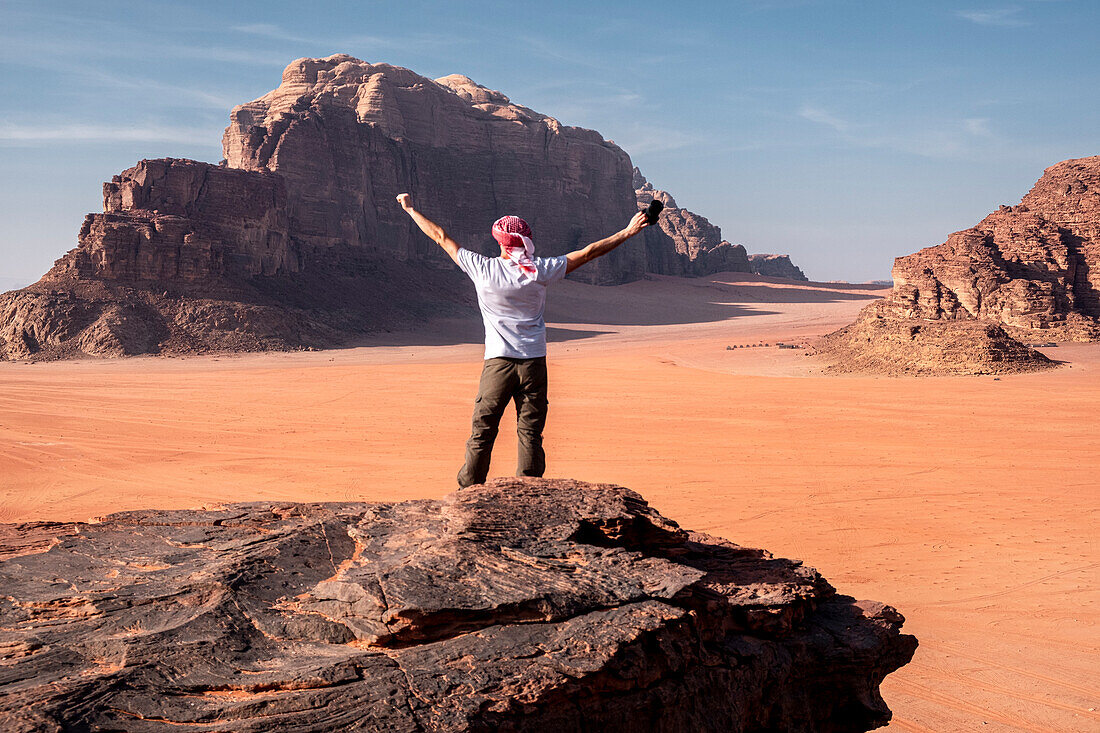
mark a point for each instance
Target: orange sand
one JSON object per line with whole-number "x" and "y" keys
{"x": 968, "y": 503}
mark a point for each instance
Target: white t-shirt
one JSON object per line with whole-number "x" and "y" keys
{"x": 511, "y": 304}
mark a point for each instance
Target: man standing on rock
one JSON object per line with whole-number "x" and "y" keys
{"x": 511, "y": 292}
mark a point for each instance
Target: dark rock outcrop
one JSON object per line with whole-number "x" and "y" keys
{"x": 1029, "y": 272}
{"x": 522, "y": 605}
{"x": 776, "y": 266}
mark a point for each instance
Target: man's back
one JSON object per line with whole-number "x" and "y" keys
{"x": 511, "y": 302}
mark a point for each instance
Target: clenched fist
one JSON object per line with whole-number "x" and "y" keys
{"x": 405, "y": 200}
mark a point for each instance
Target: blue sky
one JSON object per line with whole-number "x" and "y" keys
{"x": 843, "y": 133}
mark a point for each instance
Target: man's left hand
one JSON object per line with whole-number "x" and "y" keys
{"x": 637, "y": 224}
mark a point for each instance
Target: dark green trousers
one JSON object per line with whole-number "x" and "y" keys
{"x": 503, "y": 380}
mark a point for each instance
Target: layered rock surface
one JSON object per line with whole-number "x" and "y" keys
{"x": 1029, "y": 272}
{"x": 522, "y": 605}
{"x": 295, "y": 240}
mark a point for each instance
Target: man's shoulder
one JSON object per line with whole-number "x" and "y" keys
{"x": 470, "y": 254}
{"x": 551, "y": 268}
{"x": 468, "y": 259}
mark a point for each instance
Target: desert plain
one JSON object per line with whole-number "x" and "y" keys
{"x": 968, "y": 503}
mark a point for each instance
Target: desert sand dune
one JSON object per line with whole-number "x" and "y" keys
{"x": 968, "y": 503}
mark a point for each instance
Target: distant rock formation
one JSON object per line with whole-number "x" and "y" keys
{"x": 776, "y": 266}
{"x": 685, "y": 243}
{"x": 1029, "y": 272}
{"x": 1033, "y": 268}
{"x": 296, "y": 239}
{"x": 519, "y": 605}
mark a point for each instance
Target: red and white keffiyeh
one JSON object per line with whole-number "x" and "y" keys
{"x": 514, "y": 235}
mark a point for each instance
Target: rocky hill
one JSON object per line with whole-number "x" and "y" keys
{"x": 519, "y": 605}
{"x": 1031, "y": 272}
{"x": 295, "y": 240}
{"x": 1033, "y": 267}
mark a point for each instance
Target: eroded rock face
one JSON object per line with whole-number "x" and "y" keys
{"x": 776, "y": 266}
{"x": 685, "y": 243}
{"x": 520, "y": 605}
{"x": 185, "y": 222}
{"x": 1034, "y": 268}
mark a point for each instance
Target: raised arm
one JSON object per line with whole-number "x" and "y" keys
{"x": 578, "y": 257}
{"x": 435, "y": 232}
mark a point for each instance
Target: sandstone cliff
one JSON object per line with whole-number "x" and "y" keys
{"x": 1029, "y": 272}
{"x": 881, "y": 342}
{"x": 520, "y": 605}
{"x": 348, "y": 136}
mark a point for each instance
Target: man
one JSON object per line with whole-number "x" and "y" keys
{"x": 511, "y": 293}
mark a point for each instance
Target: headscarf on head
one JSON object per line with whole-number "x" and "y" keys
{"x": 514, "y": 235}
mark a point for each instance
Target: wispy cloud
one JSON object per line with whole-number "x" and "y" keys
{"x": 270, "y": 30}
{"x": 227, "y": 55}
{"x": 343, "y": 44}
{"x": 642, "y": 139}
{"x": 978, "y": 126}
{"x": 1008, "y": 17}
{"x": 203, "y": 97}
{"x": 823, "y": 117}
{"x": 31, "y": 135}
{"x": 945, "y": 138}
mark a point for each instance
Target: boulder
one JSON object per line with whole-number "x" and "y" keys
{"x": 518, "y": 605}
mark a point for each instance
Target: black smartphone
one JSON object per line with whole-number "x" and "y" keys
{"x": 653, "y": 211}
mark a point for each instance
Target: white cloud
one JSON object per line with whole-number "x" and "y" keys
{"x": 32, "y": 135}
{"x": 639, "y": 139}
{"x": 1002, "y": 17}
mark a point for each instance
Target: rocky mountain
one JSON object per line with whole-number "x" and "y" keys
{"x": 295, "y": 239}
{"x": 776, "y": 266}
{"x": 519, "y": 605}
{"x": 685, "y": 243}
{"x": 1031, "y": 271}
